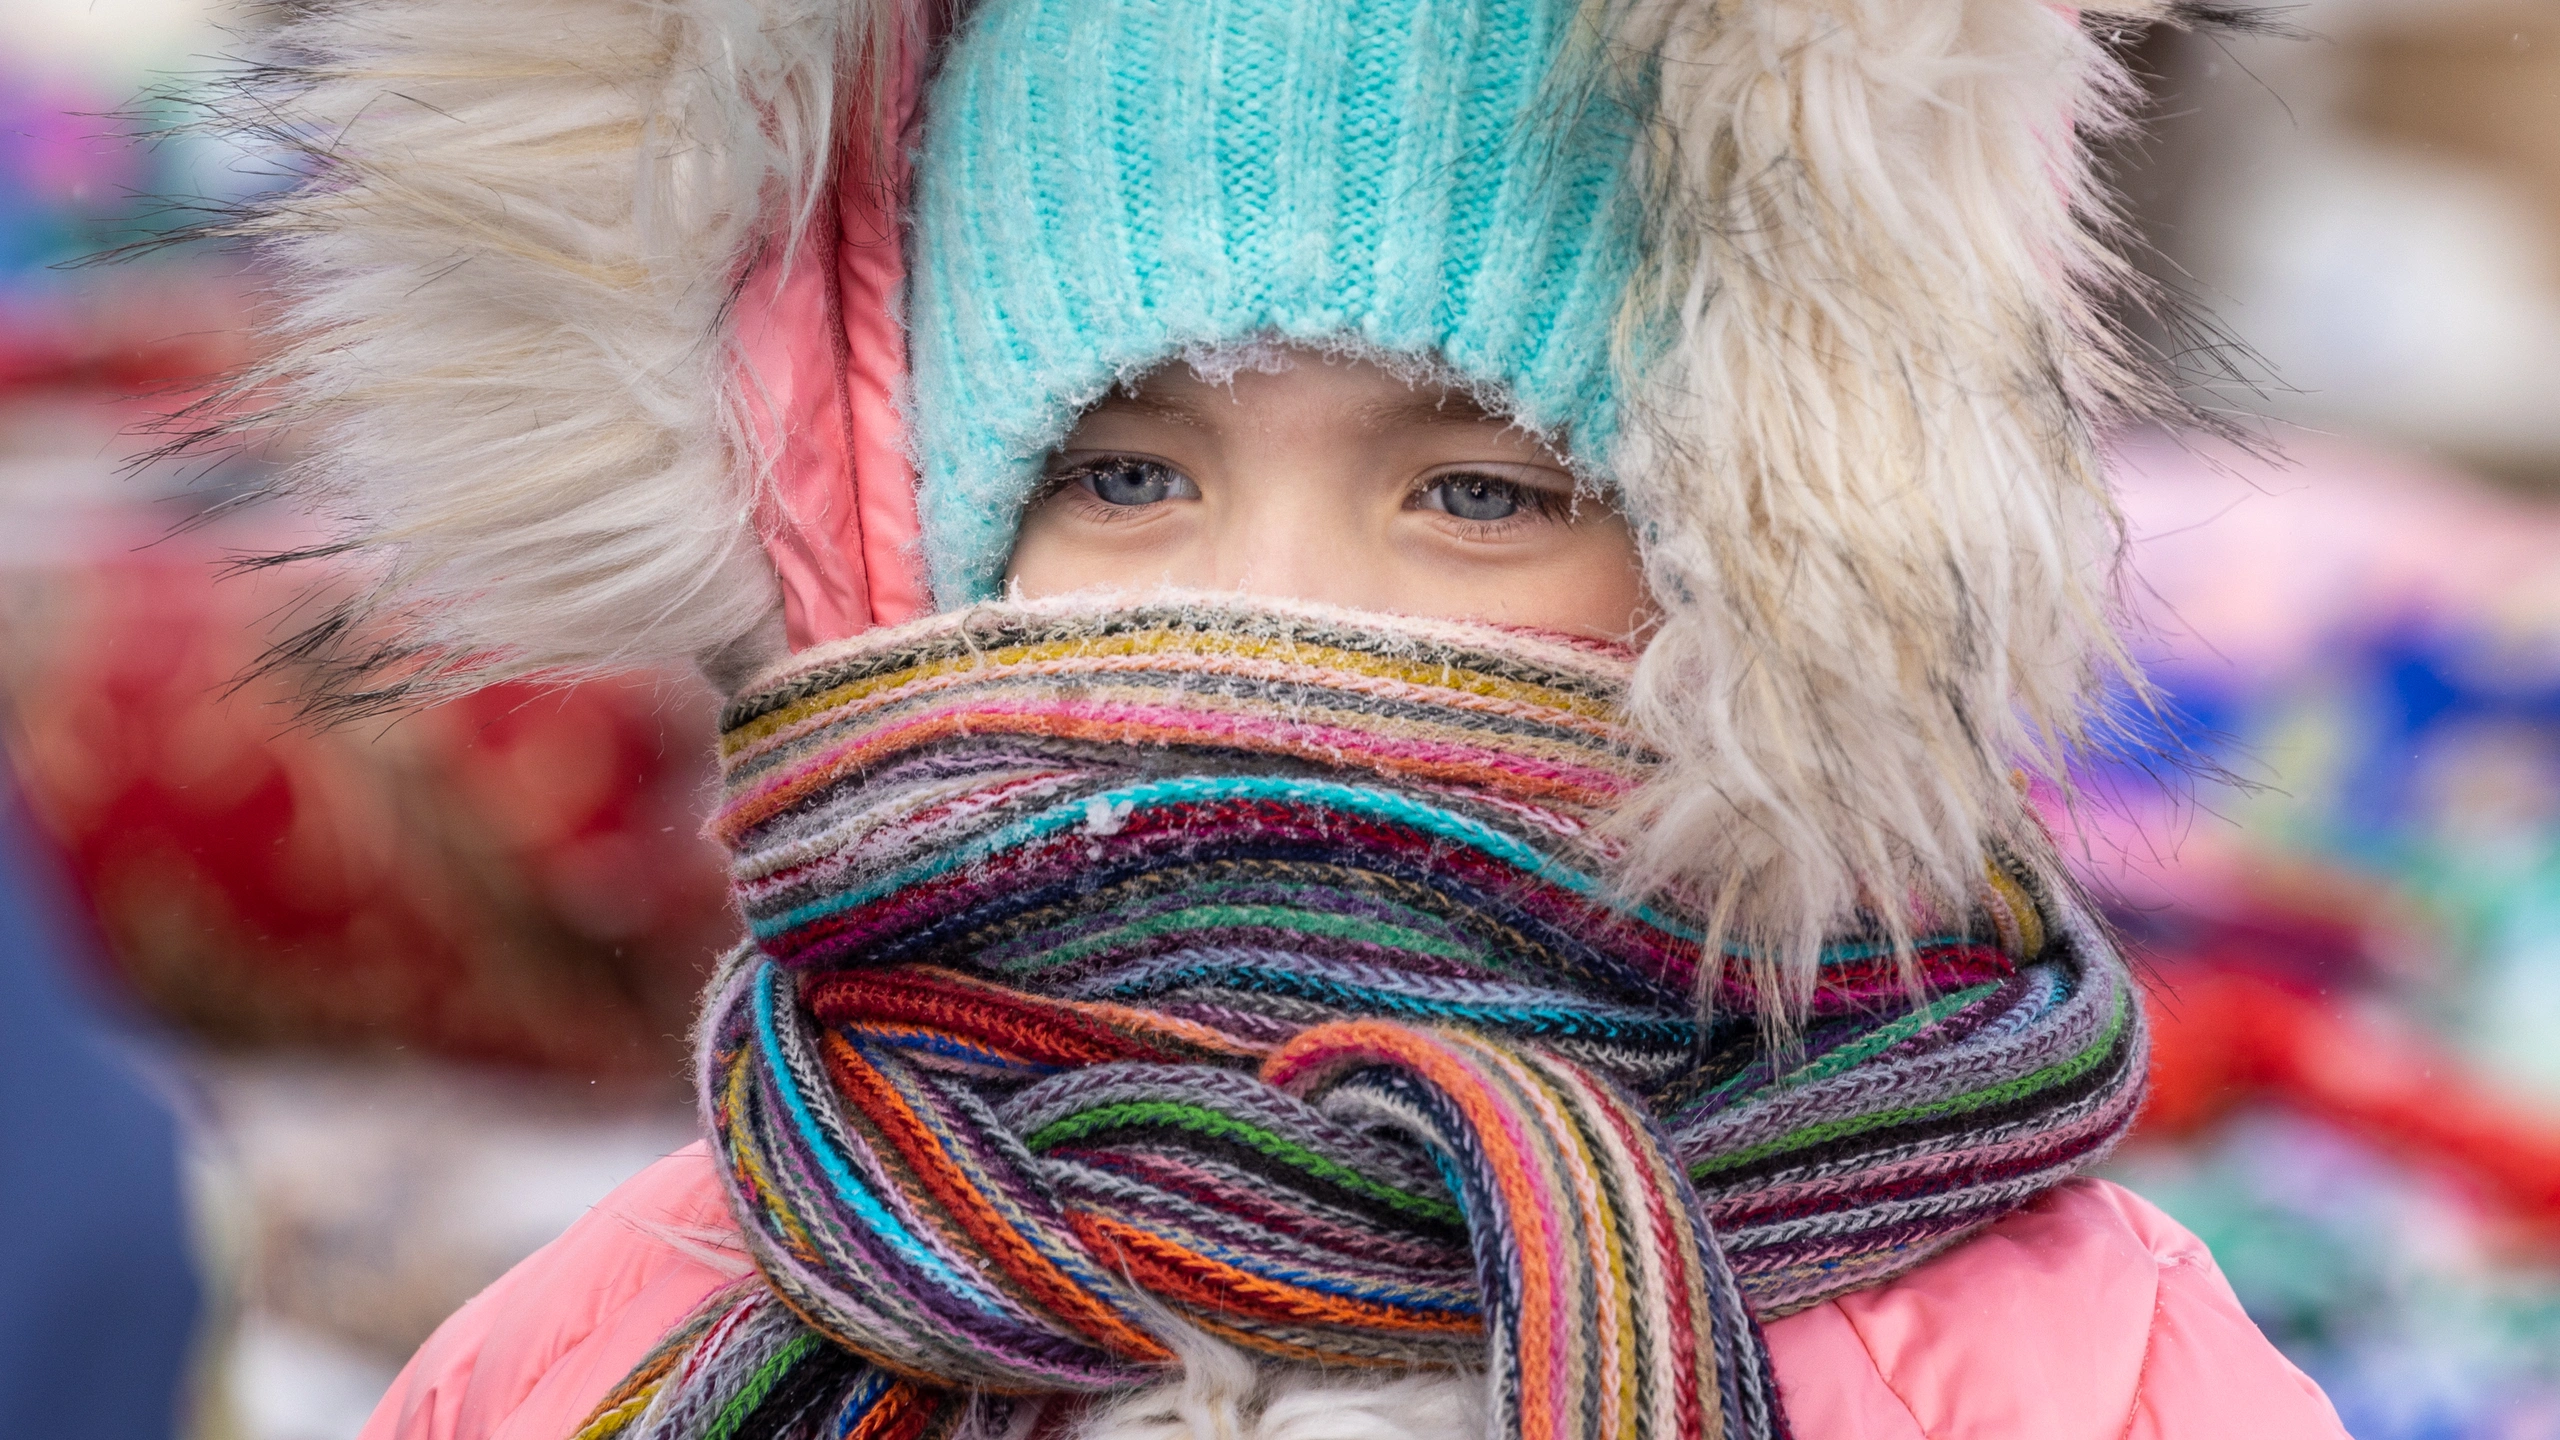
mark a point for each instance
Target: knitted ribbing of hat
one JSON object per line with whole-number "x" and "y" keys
{"x": 1106, "y": 184}
{"x": 1253, "y": 969}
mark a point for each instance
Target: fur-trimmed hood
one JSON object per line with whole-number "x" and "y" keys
{"x": 525, "y": 280}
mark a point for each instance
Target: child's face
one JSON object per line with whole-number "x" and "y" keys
{"x": 1332, "y": 481}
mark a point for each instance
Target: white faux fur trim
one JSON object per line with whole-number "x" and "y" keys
{"x": 1225, "y": 1394}
{"x": 1868, "y": 478}
{"x": 503, "y": 290}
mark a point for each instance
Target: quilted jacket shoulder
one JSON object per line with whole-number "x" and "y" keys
{"x": 2090, "y": 1315}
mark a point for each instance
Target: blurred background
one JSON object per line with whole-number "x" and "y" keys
{"x": 359, "y": 1017}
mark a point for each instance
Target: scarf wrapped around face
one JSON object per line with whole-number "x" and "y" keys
{"x": 1255, "y": 970}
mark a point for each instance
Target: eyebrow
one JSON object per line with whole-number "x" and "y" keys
{"x": 1449, "y": 407}
{"x": 1171, "y": 409}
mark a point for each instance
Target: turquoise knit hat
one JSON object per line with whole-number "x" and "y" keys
{"x": 1107, "y": 184}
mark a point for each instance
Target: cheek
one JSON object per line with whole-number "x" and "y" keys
{"x": 1586, "y": 580}
{"x": 1060, "y": 549}
{"x": 1047, "y": 560}
{"x": 1596, "y": 585}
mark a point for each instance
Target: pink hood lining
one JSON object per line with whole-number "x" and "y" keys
{"x": 821, "y": 367}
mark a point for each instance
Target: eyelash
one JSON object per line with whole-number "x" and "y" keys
{"x": 1536, "y": 502}
{"x": 1095, "y": 508}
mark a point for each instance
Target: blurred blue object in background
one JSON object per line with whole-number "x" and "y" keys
{"x": 2352, "y": 911}
{"x": 99, "y": 1296}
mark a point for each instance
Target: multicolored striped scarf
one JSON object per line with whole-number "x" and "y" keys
{"x": 1256, "y": 970}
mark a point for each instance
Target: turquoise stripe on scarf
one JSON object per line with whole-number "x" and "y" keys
{"x": 1193, "y": 789}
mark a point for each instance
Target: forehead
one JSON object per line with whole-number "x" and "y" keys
{"x": 1342, "y": 390}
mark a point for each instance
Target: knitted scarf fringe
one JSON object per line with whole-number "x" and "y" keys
{"x": 1255, "y": 969}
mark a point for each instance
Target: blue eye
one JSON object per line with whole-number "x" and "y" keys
{"x": 1134, "y": 482}
{"x": 1476, "y": 497}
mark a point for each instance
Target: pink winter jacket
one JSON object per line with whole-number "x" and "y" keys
{"x": 2087, "y": 1316}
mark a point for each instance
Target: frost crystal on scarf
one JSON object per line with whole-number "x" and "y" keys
{"x": 1256, "y": 970}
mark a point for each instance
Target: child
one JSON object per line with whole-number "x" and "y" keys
{"x": 1447, "y": 862}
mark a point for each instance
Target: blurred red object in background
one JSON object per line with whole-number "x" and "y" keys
{"x": 517, "y": 876}
{"x": 2258, "y": 992}
{"x": 166, "y": 329}
{"x": 2224, "y": 1036}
